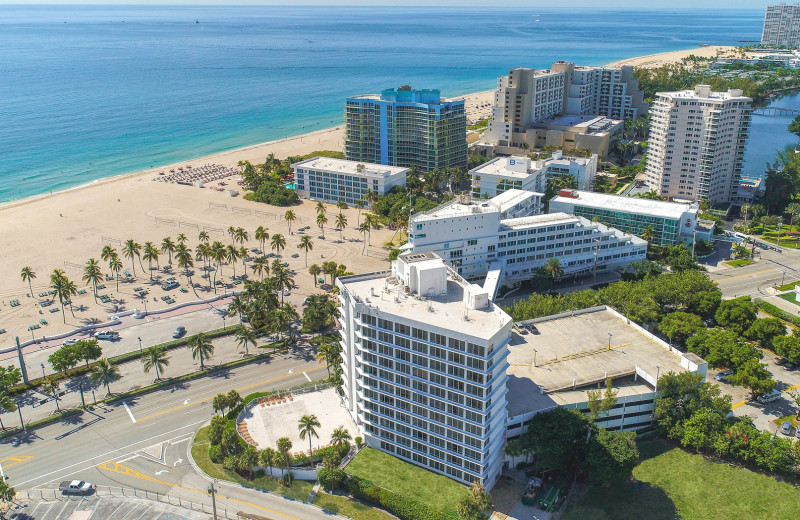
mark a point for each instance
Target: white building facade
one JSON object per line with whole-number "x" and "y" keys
{"x": 782, "y": 26}
{"x": 334, "y": 180}
{"x": 522, "y": 173}
{"x": 697, "y": 142}
{"x": 424, "y": 367}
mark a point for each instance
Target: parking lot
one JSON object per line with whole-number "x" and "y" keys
{"x": 107, "y": 508}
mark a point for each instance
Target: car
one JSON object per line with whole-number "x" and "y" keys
{"x": 170, "y": 285}
{"x": 109, "y": 335}
{"x": 786, "y": 428}
{"x": 179, "y": 332}
{"x": 789, "y": 366}
{"x": 780, "y": 361}
{"x": 723, "y": 375}
{"x": 321, "y": 237}
{"x": 69, "y": 341}
{"x": 532, "y": 328}
{"x": 768, "y": 398}
{"x": 76, "y": 487}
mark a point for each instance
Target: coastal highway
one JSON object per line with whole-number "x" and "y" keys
{"x": 143, "y": 442}
{"x": 753, "y": 280}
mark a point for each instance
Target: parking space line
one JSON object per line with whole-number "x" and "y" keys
{"x": 307, "y": 377}
{"x": 133, "y": 419}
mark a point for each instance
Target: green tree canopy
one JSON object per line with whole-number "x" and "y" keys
{"x": 788, "y": 347}
{"x": 612, "y": 457}
{"x": 736, "y": 315}
{"x": 680, "y": 325}
{"x": 558, "y": 437}
{"x": 765, "y": 330}
{"x": 754, "y": 376}
{"x": 681, "y": 396}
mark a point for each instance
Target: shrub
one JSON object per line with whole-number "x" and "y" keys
{"x": 401, "y": 506}
{"x": 215, "y": 453}
{"x": 260, "y": 473}
{"x": 229, "y": 462}
{"x": 777, "y": 312}
{"x": 359, "y": 442}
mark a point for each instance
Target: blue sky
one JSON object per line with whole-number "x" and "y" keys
{"x": 637, "y": 4}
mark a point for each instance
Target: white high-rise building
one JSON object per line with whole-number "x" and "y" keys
{"x": 782, "y": 26}
{"x": 696, "y": 145}
{"x": 424, "y": 367}
{"x": 333, "y": 180}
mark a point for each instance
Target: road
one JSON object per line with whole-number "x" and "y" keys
{"x": 143, "y": 442}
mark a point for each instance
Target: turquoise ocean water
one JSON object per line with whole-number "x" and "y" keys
{"x": 92, "y": 91}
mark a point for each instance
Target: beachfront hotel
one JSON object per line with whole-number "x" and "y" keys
{"x": 334, "y": 180}
{"x": 696, "y": 144}
{"x": 672, "y": 222}
{"x": 438, "y": 375}
{"x": 480, "y": 240}
{"x": 782, "y": 26}
{"x": 404, "y": 127}
{"x": 522, "y": 173}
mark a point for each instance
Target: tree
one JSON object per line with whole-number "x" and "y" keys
{"x": 793, "y": 210}
{"x": 92, "y": 275}
{"x": 364, "y": 229}
{"x": 216, "y": 429}
{"x": 104, "y": 374}
{"x": 151, "y": 255}
{"x": 7, "y": 493}
{"x": 704, "y": 303}
{"x": 341, "y": 223}
{"x": 290, "y": 217}
{"x": 611, "y": 457}
{"x": 233, "y": 399}
{"x": 794, "y": 126}
{"x": 558, "y": 437}
{"x": 474, "y": 503}
{"x": 7, "y": 404}
{"x": 754, "y": 376}
{"x": 359, "y": 206}
{"x": 721, "y": 348}
{"x": 306, "y": 245}
{"x": 246, "y": 336}
{"x": 702, "y": 429}
{"x": 155, "y": 357}
{"x": 340, "y": 436}
{"x": 247, "y": 460}
{"x": 115, "y": 264}
{"x": 28, "y": 275}
{"x": 320, "y": 207}
{"x": 307, "y": 426}
{"x": 267, "y": 458}
{"x": 51, "y": 386}
{"x": 795, "y": 395}
{"x": 231, "y": 255}
{"x": 63, "y": 359}
{"x": 240, "y": 236}
{"x": 262, "y": 236}
{"x": 87, "y": 350}
{"x": 681, "y": 395}
{"x": 601, "y": 402}
{"x": 788, "y": 347}
{"x": 278, "y": 243}
{"x": 513, "y": 448}
{"x": 63, "y": 288}
{"x": 201, "y": 347}
{"x": 168, "y": 246}
{"x": 321, "y": 221}
{"x": 314, "y": 270}
{"x": 553, "y": 269}
{"x": 132, "y": 250}
{"x": 736, "y": 315}
{"x": 765, "y": 330}
{"x": 648, "y": 233}
{"x": 680, "y": 325}
{"x": 219, "y": 403}
{"x": 284, "y": 446}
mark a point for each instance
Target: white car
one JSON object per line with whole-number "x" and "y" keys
{"x": 723, "y": 375}
{"x": 70, "y": 341}
{"x": 109, "y": 335}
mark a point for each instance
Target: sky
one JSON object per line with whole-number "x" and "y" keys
{"x": 636, "y": 4}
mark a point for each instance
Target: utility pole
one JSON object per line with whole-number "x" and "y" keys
{"x": 22, "y": 367}
{"x": 212, "y": 491}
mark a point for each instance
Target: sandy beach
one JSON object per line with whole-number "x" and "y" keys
{"x": 652, "y": 61}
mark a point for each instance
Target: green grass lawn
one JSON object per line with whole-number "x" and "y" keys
{"x": 406, "y": 479}
{"x": 671, "y": 483}
{"x": 300, "y": 489}
{"x": 739, "y": 263}
{"x": 789, "y": 297}
{"x": 351, "y": 508}
{"x": 786, "y": 287}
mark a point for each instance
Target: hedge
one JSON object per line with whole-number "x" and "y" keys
{"x": 401, "y": 506}
{"x": 777, "y": 312}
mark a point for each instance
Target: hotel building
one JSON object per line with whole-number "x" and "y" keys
{"x": 334, "y": 180}
{"x": 782, "y": 26}
{"x": 522, "y": 173}
{"x": 696, "y": 145}
{"x": 672, "y": 222}
{"x": 479, "y": 241}
{"x": 406, "y": 128}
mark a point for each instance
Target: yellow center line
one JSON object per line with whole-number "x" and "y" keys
{"x": 745, "y": 275}
{"x": 15, "y": 460}
{"x": 181, "y": 407}
{"x": 130, "y": 472}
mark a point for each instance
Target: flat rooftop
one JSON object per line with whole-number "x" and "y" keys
{"x": 456, "y": 208}
{"x": 657, "y": 208}
{"x": 549, "y": 219}
{"x": 573, "y": 352}
{"x": 711, "y": 96}
{"x": 383, "y": 292}
{"x": 511, "y": 198}
{"x": 499, "y": 166}
{"x": 344, "y": 166}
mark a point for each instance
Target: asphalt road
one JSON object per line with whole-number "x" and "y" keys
{"x": 143, "y": 442}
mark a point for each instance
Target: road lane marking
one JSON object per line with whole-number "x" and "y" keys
{"x": 14, "y": 460}
{"x": 726, "y": 278}
{"x": 305, "y": 374}
{"x": 742, "y": 403}
{"x": 180, "y": 441}
{"x": 260, "y": 383}
{"x": 133, "y": 419}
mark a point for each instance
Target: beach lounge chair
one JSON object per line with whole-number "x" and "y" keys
{"x": 127, "y": 273}
{"x": 283, "y": 397}
{"x": 2, "y": 331}
{"x": 43, "y": 321}
{"x": 290, "y": 397}
{"x": 54, "y": 309}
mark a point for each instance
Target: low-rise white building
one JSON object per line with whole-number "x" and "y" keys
{"x": 334, "y": 180}
{"x": 475, "y": 238}
{"x": 522, "y": 173}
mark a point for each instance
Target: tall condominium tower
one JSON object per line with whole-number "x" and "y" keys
{"x": 782, "y": 26}
{"x": 697, "y": 142}
{"x": 424, "y": 361}
{"x": 405, "y": 127}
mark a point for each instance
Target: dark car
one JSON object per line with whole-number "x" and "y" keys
{"x": 179, "y": 332}
{"x": 789, "y": 366}
{"x": 780, "y": 361}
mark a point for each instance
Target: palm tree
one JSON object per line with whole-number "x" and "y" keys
{"x": 246, "y": 336}
{"x": 132, "y": 250}
{"x": 181, "y": 238}
{"x": 793, "y": 210}
{"x": 168, "y": 246}
{"x": 62, "y": 288}
{"x": 201, "y": 347}
{"x": 340, "y": 436}
{"x": 278, "y": 243}
{"x": 7, "y": 404}
{"x": 262, "y": 236}
{"x": 359, "y": 206}
{"x": 341, "y": 223}
{"x": 155, "y": 357}
{"x": 290, "y": 217}
{"x": 115, "y": 264}
{"x": 364, "y": 228}
{"x": 51, "y": 386}
{"x": 321, "y": 221}
{"x": 203, "y": 237}
{"x": 307, "y": 426}
{"x": 231, "y": 255}
{"x": 105, "y": 373}
{"x": 231, "y": 233}
{"x": 260, "y": 264}
{"x": 28, "y": 275}
{"x": 243, "y": 256}
{"x": 284, "y": 446}
{"x": 183, "y": 255}
{"x": 324, "y": 354}
{"x": 108, "y": 253}
{"x": 746, "y": 209}
{"x": 267, "y": 459}
{"x": 306, "y": 245}
{"x": 283, "y": 280}
{"x": 314, "y": 271}
{"x": 151, "y": 254}
{"x": 648, "y": 233}
{"x": 92, "y": 275}
{"x": 373, "y": 224}
{"x": 370, "y": 196}
{"x": 218, "y": 253}
{"x": 241, "y": 235}
{"x": 553, "y": 269}
{"x": 320, "y": 207}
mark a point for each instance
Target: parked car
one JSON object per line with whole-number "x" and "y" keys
{"x": 789, "y": 366}
{"x": 780, "y": 361}
{"x": 170, "y": 285}
{"x": 70, "y": 341}
{"x": 109, "y": 335}
{"x": 532, "y": 328}
{"x": 770, "y": 397}
{"x": 786, "y": 428}
{"x": 76, "y": 487}
{"x": 179, "y": 332}
{"x": 723, "y": 375}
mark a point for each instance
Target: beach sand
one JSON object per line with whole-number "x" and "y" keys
{"x": 652, "y": 61}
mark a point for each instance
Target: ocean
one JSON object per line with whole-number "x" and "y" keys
{"x": 87, "y": 92}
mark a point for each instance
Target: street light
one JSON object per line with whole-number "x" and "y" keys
{"x": 223, "y": 322}
{"x": 43, "y": 376}
{"x": 140, "y": 343}
{"x": 212, "y": 491}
